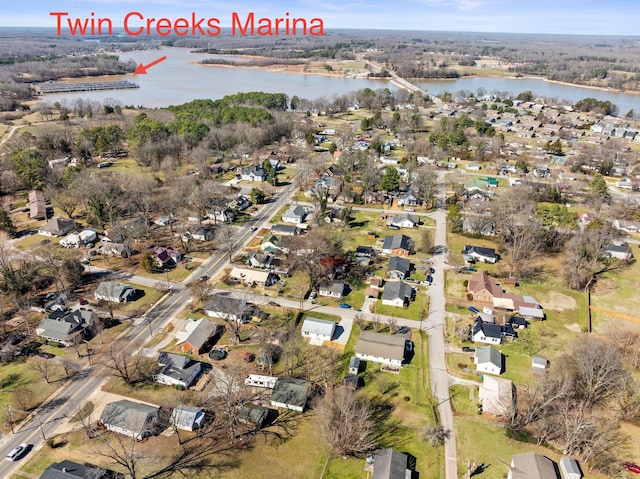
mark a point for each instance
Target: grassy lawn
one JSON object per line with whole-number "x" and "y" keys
{"x": 177, "y": 274}
{"x": 33, "y": 242}
{"x": 413, "y": 311}
{"x": 617, "y": 290}
{"x": 139, "y": 306}
{"x": 16, "y": 377}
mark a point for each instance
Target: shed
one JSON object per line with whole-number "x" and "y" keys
{"x": 538, "y": 362}
{"x": 532, "y": 313}
{"x": 187, "y": 417}
{"x": 256, "y": 380}
{"x": 354, "y": 365}
{"x": 570, "y": 468}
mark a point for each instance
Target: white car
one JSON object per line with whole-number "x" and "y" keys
{"x": 17, "y": 452}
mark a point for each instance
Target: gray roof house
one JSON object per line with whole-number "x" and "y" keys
{"x": 489, "y": 360}
{"x": 400, "y": 245}
{"x": 187, "y": 418}
{"x": 332, "y": 289}
{"x": 290, "y": 393}
{"x": 72, "y": 470}
{"x": 273, "y": 244}
{"x": 114, "y": 292}
{"x": 386, "y": 349}
{"x": 391, "y": 464}
{"x": 65, "y": 328}
{"x": 195, "y": 336}
{"x": 253, "y": 173}
{"x": 477, "y": 253}
{"x": 404, "y": 221}
{"x": 398, "y": 267}
{"x": 57, "y": 226}
{"x": 295, "y": 214}
{"x": 223, "y": 306}
{"x": 130, "y": 418}
{"x": 397, "y": 293}
{"x": 318, "y": 330}
{"x": 287, "y": 230}
{"x": 530, "y": 465}
{"x": 176, "y": 370}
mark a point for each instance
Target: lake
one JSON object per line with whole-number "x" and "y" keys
{"x": 178, "y": 80}
{"x": 539, "y": 87}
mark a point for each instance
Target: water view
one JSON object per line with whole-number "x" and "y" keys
{"x": 179, "y": 80}
{"x": 539, "y": 87}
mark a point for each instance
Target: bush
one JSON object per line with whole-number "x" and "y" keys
{"x": 469, "y": 297}
{"x": 465, "y": 283}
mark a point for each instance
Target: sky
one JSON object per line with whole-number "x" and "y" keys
{"x": 598, "y": 17}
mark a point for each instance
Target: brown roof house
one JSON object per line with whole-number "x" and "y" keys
{"x": 483, "y": 288}
{"x": 37, "y": 207}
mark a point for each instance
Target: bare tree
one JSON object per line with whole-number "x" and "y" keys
{"x": 125, "y": 362}
{"x": 45, "y": 367}
{"x": 226, "y": 238}
{"x": 392, "y": 323}
{"x": 346, "y": 422}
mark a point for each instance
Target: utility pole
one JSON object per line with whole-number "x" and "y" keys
{"x": 41, "y": 429}
{"x": 10, "y": 418}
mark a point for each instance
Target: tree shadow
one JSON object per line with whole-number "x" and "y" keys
{"x": 480, "y": 469}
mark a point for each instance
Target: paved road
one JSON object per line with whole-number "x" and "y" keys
{"x": 70, "y": 397}
{"x": 435, "y": 324}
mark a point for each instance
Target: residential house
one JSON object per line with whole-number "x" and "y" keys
{"x": 618, "y": 251}
{"x": 131, "y": 418}
{"x": 398, "y": 245}
{"x": 253, "y": 173}
{"x": 295, "y": 214}
{"x": 409, "y": 199}
{"x": 253, "y": 276}
{"x": 65, "y": 328}
{"x": 488, "y": 360}
{"x": 332, "y": 289}
{"x": 240, "y": 203}
{"x": 478, "y": 225}
{"x": 365, "y": 252}
{"x": 385, "y": 349}
{"x": 223, "y": 214}
{"x": 285, "y": 230}
{"x": 622, "y": 225}
{"x": 196, "y": 336}
{"x": 72, "y": 470}
{"x": 166, "y": 257}
{"x": 261, "y": 260}
{"x": 491, "y": 333}
{"x": 224, "y": 306}
{"x": 57, "y": 226}
{"x": 391, "y": 464}
{"x": 114, "y": 249}
{"x": 318, "y": 330}
{"x": 529, "y": 465}
{"x": 187, "y": 418}
{"x": 398, "y": 267}
{"x": 497, "y": 396}
{"x": 37, "y": 206}
{"x": 517, "y": 322}
{"x": 274, "y": 244}
{"x": 197, "y": 233}
{"x": 397, "y": 293}
{"x": 483, "y": 288}
{"x": 290, "y": 393}
{"x": 176, "y": 370}
{"x": 114, "y": 292}
{"x": 570, "y": 468}
{"x": 404, "y": 221}
{"x": 477, "y": 253}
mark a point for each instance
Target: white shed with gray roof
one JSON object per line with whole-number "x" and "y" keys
{"x": 570, "y": 468}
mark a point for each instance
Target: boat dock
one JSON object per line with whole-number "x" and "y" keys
{"x": 66, "y": 87}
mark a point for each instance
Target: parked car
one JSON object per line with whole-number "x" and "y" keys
{"x": 429, "y": 279}
{"x": 248, "y": 357}
{"x": 467, "y": 349}
{"x": 632, "y": 467}
{"x": 312, "y": 295}
{"x": 473, "y": 309}
{"x": 468, "y": 269}
{"x": 83, "y": 301}
{"x": 17, "y": 452}
{"x": 344, "y": 305}
{"x": 432, "y": 270}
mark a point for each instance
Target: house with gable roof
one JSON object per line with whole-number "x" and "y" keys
{"x": 196, "y": 336}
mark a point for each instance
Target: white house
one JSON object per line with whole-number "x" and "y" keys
{"x": 488, "y": 360}
{"x": 295, "y": 214}
{"x": 176, "y": 370}
{"x": 385, "y": 349}
{"x": 130, "y": 418}
{"x": 404, "y": 221}
{"x": 332, "y": 289}
{"x": 74, "y": 240}
{"x": 253, "y": 276}
{"x": 318, "y": 330}
{"x": 113, "y": 292}
{"x": 187, "y": 418}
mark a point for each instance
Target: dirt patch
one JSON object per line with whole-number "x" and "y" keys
{"x": 559, "y": 302}
{"x": 575, "y": 327}
{"x": 605, "y": 286}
